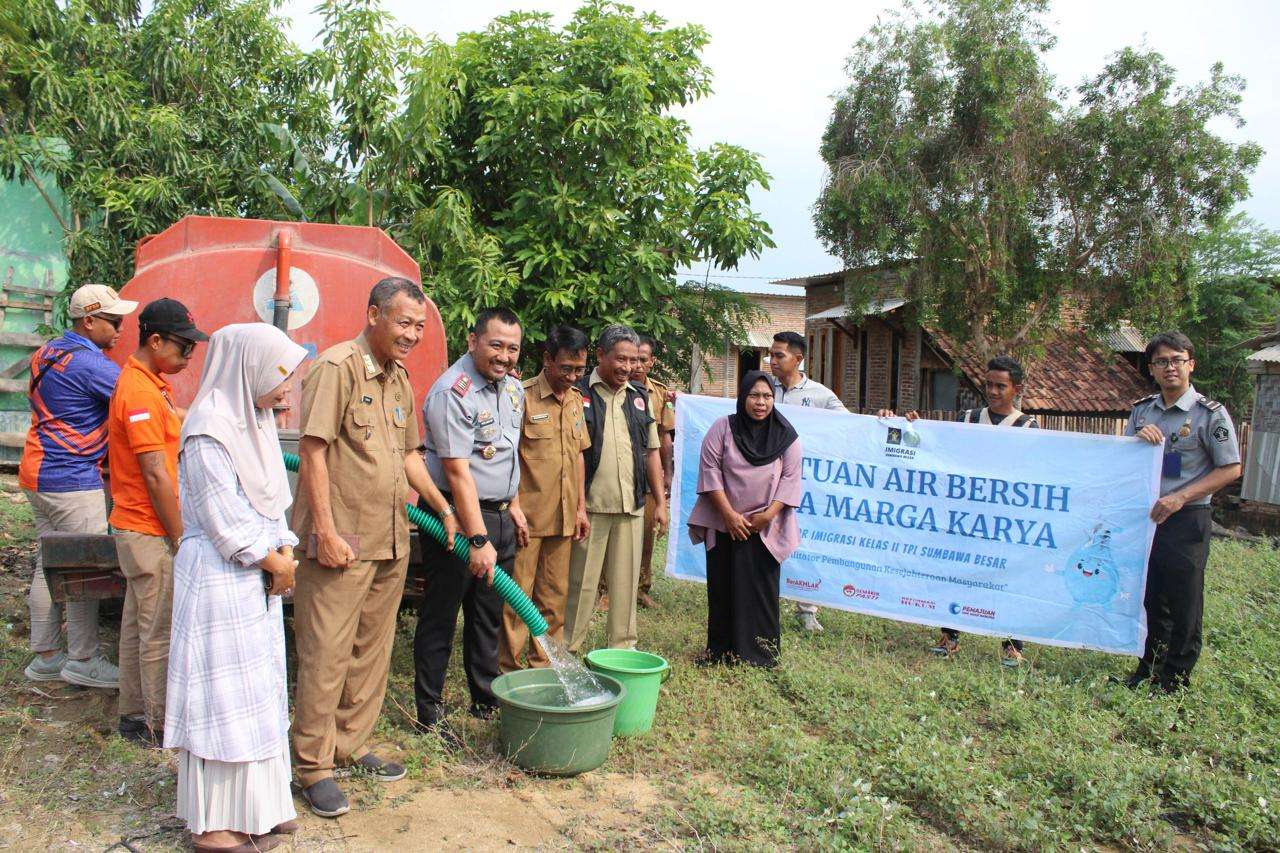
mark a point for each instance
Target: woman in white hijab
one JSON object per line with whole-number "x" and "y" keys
{"x": 228, "y": 709}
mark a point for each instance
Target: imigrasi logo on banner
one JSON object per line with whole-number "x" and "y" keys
{"x": 900, "y": 443}
{"x": 851, "y": 591}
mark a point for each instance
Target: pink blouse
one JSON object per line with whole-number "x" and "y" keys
{"x": 749, "y": 488}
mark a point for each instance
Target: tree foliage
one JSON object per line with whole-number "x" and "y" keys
{"x": 1237, "y": 287}
{"x": 563, "y": 185}
{"x": 527, "y": 165}
{"x": 144, "y": 119}
{"x": 954, "y": 148}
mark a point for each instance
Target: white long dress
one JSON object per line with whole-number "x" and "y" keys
{"x": 227, "y": 707}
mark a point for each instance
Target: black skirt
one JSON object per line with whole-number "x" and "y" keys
{"x": 743, "y": 621}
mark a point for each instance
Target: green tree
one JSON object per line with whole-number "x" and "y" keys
{"x": 953, "y": 147}
{"x": 1237, "y": 286}
{"x": 145, "y": 119}
{"x": 562, "y": 185}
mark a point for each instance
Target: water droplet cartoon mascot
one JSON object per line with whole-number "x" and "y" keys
{"x": 1091, "y": 574}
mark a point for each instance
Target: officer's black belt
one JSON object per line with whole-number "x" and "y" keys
{"x": 492, "y": 506}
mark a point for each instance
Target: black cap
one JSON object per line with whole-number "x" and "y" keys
{"x": 171, "y": 317}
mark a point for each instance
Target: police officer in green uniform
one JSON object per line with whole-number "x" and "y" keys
{"x": 1201, "y": 455}
{"x": 473, "y": 414}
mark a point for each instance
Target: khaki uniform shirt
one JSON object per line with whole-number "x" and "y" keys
{"x": 663, "y": 412}
{"x": 613, "y": 487}
{"x": 552, "y": 440}
{"x": 363, "y": 411}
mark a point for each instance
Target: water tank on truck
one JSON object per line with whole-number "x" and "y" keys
{"x": 230, "y": 270}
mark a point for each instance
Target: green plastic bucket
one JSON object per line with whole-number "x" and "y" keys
{"x": 539, "y": 733}
{"x": 642, "y": 673}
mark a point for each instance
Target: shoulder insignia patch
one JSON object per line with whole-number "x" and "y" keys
{"x": 338, "y": 353}
{"x": 1146, "y": 399}
{"x": 1211, "y": 405}
{"x": 1221, "y": 433}
{"x": 461, "y": 385}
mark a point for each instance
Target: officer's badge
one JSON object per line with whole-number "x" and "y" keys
{"x": 1221, "y": 433}
{"x": 1185, "y": 431}
{"x": 488, "y": 433}
{"x": 541, "y": 416}
{"x": 489, "y": 451}
{"x": 461, "y": 385}
{"x": 639, "y": 402}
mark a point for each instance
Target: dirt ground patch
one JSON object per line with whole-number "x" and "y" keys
{"x": 605, "y": 810}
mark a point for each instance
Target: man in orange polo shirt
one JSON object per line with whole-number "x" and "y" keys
{"x": 143, "y": 425}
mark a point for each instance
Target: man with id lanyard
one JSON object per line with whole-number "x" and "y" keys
{"x": 1201, "y": 455}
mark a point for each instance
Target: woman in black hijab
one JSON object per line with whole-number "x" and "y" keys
{"x": 748, "y": 489}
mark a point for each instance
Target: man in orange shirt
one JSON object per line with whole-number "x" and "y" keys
{"x": 143, "y": 425}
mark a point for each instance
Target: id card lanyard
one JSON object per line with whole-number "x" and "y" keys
{"x": 1172, "y": 465}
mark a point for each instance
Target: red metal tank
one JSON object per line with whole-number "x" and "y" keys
{"x": 225, "y": 271}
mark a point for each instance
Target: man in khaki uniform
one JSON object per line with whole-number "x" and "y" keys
{"x": 664, "y": 413}
{"x": 552, "y": 491}
{"x": 359, "y": 458}
{"x": 621, "y": 467}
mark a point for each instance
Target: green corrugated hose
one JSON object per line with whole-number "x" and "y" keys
{"x": 429, "y": 523}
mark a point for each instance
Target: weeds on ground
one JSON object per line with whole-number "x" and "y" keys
{"x": 859, "y": 739}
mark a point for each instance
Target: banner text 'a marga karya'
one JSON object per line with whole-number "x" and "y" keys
{"x": 1034, "y": 534}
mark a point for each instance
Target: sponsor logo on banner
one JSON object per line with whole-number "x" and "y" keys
{"x": 922, "y": 603}
{"x": 896, "y": 438}
{"x": 976, "y": 612}
{"x": 800, "y": 583}
{"x": 851, "y": 591}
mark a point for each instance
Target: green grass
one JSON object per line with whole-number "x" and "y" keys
{"x": 16, "y": 526}
{"x": 859, "y": 740}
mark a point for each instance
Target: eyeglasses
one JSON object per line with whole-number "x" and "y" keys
{"x": 1162, "y": 363}
{"x": 184, "y": 346}
{"x": 113, "y": 319}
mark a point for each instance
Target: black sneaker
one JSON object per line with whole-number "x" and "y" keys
{"x": 1139, "y": 677}
{"x": 131, "y": 727}
{"x": 326, "y": 799}
{"x": 377, "y": 768}
{"x": 481, "y": 711}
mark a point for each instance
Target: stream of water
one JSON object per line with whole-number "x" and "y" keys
{"x": 581, "y": 687}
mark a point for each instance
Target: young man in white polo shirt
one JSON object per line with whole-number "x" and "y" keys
{"x": 793, "y": 387}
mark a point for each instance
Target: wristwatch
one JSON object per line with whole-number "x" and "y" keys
{"x": 478, "y": 541}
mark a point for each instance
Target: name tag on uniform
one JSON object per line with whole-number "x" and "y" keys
{"x": 541, "y": 416}
{"x": 367, "y": 400}
{"x": 1172, "y": 466}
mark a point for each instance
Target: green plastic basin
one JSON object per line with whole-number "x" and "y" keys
{"x": 642, "y": 673}
{"x": 539, "y": 733}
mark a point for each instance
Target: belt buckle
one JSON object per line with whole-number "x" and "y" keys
{"x": 502, "y": 507}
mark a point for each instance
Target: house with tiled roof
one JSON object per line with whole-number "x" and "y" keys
{"x": 885, "y": 360}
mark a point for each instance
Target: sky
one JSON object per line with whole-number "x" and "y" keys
{"x": 777, "y": 67}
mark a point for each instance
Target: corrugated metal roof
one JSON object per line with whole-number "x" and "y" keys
{"x": 1125, "y": 338}
{"x": 760, "y": 288}
{"x": 883, "y": 306}
{"x": 1271, "y": 353}
{"x": 757, "y": 339}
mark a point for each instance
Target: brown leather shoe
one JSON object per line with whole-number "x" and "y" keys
{"x": 255, "y": 844}
{"x": 645, "y": 601}
{"x": 289, "y": 827}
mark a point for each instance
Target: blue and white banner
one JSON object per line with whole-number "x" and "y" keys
{"x": 1035, "y": 534}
